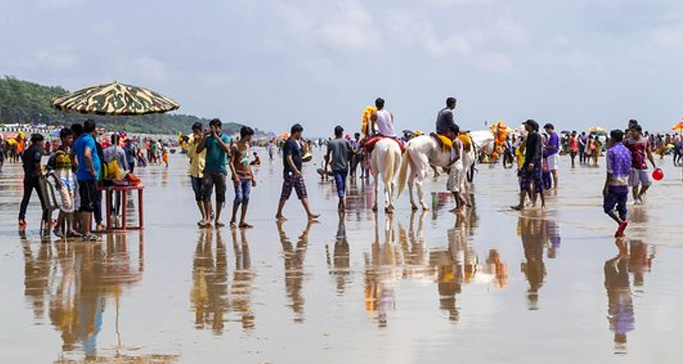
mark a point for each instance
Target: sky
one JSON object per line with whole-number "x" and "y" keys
{"x": 270, "y": 63}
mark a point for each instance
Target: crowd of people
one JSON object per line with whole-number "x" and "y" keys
{"x": 79, "y": 163}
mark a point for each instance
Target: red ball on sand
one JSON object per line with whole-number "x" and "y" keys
{"x": 657, "y": 174}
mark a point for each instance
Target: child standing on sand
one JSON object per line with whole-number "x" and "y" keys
{"x": 615, "y": 192}
{"x": 242, "y": 177}
{"x": 60, "y": 166}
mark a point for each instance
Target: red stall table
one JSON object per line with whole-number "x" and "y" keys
{"x": 124, "y": 190}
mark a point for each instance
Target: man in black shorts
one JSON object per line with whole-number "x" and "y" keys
{"x": 88, "y": 170}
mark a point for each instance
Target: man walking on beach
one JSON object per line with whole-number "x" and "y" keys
{"x": 530, "y": 178}
{"x": 293, "y": 179}
{"x": 551, "y": 151}
{"x": 639, "y": 147}
{"x": 242, "y": 177}
{"x": 338, "y": 156}
{"x": 32, "y": 175}
{"x": 615, "y": 192}
{"x": 217, "y": 146}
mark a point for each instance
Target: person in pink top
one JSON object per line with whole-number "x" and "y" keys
{"x": 639, "y": 146}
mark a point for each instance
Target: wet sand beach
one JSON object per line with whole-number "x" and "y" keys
{"x": 488, "y": 286}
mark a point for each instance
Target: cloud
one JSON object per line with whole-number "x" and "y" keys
{"x": 669, "y": 37}
{"x": 57, "y": 59}
{"x": 151, "y": 70}
{"x": 341, "y": 25}
{"x": 494, "y": 62}
{"x": 59, "y": 3}
{"x": 414, "y": 29}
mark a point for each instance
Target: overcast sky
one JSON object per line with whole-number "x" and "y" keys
{"x": 269, "y": 63}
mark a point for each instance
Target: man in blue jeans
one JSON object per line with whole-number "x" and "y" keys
{"x": 242, "y": 177}
{"x": 338, "y": 155}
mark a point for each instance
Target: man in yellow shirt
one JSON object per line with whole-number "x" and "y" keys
{"x": 196, "y": 170}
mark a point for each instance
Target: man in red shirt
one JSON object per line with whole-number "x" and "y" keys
{"x": 639, "y": 146}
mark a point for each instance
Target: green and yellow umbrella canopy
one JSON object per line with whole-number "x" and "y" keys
{"x": 114, "y": 99}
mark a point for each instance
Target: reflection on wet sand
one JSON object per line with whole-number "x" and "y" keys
{"x": 340, "y": 265}
{"x": 537, "y": 234}
{"x": 459, "y": 263}
{"x": 241, "y": 286}
{"x": 294, "y": 268}
{"x": 209, "y": 296}
{"x": 633, "y": 257}
{"x": 414, "y": 247}
{"x": 381, "y": 274}
{"x": 77, "y": 280}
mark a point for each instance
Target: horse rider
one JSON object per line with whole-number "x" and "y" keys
{"x": 445, "y": 122}
{"x": 384, "y": 120}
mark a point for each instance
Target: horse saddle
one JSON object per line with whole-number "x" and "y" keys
{"x": 370, "y": 143}
{"x": 466, "y": 142}
{"x": 444, "y": 142}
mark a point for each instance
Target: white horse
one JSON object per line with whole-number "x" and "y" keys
{"x": 385, "y": 162}
{"x": 423, "y": 152}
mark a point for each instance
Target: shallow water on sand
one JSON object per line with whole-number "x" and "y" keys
{"x": 490, "y": 285}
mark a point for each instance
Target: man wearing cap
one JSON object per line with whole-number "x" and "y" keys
{"x": 530, "y": 173}
{"x": 551, "y": 151}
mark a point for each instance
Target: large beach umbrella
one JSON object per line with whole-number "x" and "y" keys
{"x": 678, "y": 126}
{"x": 114, "y": 99}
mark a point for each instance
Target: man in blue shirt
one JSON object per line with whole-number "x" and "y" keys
{"x": 217, "y": 146}
{"x": 293, "y": 179}
{"x": 85, "y": 148}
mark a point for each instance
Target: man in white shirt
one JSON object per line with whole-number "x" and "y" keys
{"x": 384, "y": 120}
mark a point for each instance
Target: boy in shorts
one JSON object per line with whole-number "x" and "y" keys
{"x": 60, "y": 166}
{"x": 615, "y": 192}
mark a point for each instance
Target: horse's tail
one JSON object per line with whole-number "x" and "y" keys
{"x": 403, "y": 171}
{"x": 389, "y": 175}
